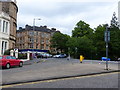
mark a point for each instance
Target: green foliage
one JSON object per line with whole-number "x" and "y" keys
{"x": 80, "y": 46}
{"x": 85, "y": 47}
{"x": 7, "y": 52}
{"x": 88, "y": 42}
{"x": 99, "y": 42}
{"x": 22, "y": 56}
{"x": 59, "y": 41}
{"x": 82, "y": 29}
{"x": 114, "y": 44}
{"x": 81, "y": 42}
{"x": 72, "y": 44}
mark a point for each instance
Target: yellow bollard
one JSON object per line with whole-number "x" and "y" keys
{"x": 81, "y": 58}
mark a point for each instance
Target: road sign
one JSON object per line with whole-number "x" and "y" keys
{"x": 107, "y": 36}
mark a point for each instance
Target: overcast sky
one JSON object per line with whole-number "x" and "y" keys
{"x": 64, "y": 14}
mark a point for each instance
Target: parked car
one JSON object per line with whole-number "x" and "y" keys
{"x": 63, "y": 55}
{"x": 44, "y": 55}
{"x": 56, "y": 56}
{"x": 60, "y": 56}
{"x": 8, "y": 61}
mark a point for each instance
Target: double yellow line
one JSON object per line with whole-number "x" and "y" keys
{"x": 13, "y": 85}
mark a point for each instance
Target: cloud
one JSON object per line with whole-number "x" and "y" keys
{"x": 63, "y": 15}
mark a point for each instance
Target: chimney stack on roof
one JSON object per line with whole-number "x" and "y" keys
{"x": 54, "y": 29}
{"x": 45, "y": 26}
{"x": 20, "y": 28}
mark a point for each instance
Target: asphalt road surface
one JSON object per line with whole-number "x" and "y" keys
{"x": 108, "y": 80}
{"x": 48, "y": 63}
{"x": 102, "y": 81}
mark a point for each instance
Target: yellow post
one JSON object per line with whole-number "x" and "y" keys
{"x": 81, "y": 58}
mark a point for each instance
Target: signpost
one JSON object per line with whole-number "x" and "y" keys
{"x": 107, "y": 36}
{"x": 107, "y": 39}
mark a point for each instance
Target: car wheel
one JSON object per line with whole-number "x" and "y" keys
{"x": 7, "y": 65}
{"x": 21, "y": 64}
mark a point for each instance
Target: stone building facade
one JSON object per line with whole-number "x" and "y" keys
{"x": 9, "y": 7}
{"x": 39, "y": 38}
{"x": 4, "y": 32}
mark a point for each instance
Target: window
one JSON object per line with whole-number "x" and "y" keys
{"x": 42, "y": 41}
{"x": 42, "y": 35}
{"x": 47, "y": 41}
{"x": 31, "y": 46}
{"x": 36, "y": 46}
{"x": 31, "y": 33}
{"x": 4, "y": 46}
{"x": 47, "y": 35}
{"x": 31, "y": 39}
{"x": 13, "y": 57}
{"x": 8, "y": 57}
{"x": 5, "y": 27}
{"x": 37, "y": 33}
{"x": 36, "y": 39}
{"x": 1, "y": 57}
{"x": 42, "y": 47}
{"x": 47, "y": 47}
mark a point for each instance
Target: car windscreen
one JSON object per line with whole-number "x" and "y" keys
{"x": 1, "y": 57}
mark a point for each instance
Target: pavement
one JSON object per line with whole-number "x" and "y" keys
{"x": 29, "y": 62}
{"x": 56, "y": 72}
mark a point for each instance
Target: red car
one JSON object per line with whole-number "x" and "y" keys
{"x": 8, "y": 61}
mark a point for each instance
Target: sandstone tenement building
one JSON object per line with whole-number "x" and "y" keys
{"x": 39, "y": 38}
{"x": 8, "y": 24}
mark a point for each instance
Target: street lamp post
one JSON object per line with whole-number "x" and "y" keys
{"x": 76, "y": 52}
{"x": 34, "y": 30}
{"x": 34, "y": 22}
{"x": 68, "y": 53}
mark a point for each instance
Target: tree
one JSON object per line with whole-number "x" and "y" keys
{"x": 82, "y": 29}
{"x": 72, "y": 44}
{"x": 98, "y": 41}
{"x": 59, "y": 40}
{"x": 114, "y": 21}
{"x": 80, "y": 46}
{"x": 7, "y": 52}
{"x": 83, "y": 35}
{"x": 114, "y": 45}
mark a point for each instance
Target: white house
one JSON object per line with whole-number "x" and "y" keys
{"x": 4, "y": 32}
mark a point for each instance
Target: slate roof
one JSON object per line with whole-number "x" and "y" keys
{"x": 30, "y": 28}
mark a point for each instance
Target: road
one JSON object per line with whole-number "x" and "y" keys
{"x": 109, "y": 80}
{"x": 52, "y": 67}
{"x": 49, "y": 63}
